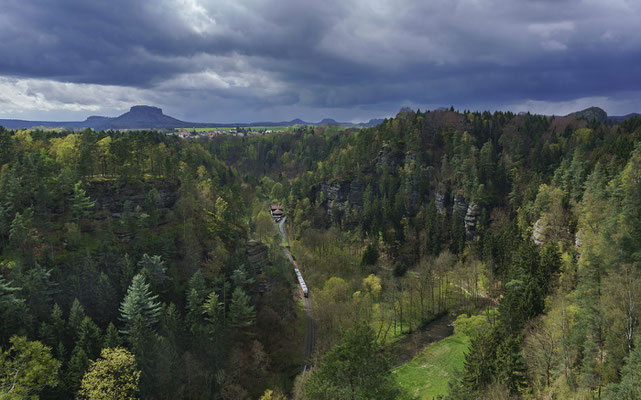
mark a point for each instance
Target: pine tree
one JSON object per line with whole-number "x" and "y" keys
{"x": 241, "y": 312}
{"x": 76, "y": 368}
{"x": 154, "y": 270}
{"x": 479, "y": 367}
{"x": 21, "y": 232}
{"x": 510, "y": 365}
{"x": 76, "y": 315}
{"x": 112, "y": 338}
{"x": 10, "y": 303}
{"x": 80, "y": 202}
{"x": 212, "y": 308}
{"x": 139, "y": 301}
{"x": 370, "y": 255}
{"x": 432, "y": 229}
{"x": 629, "y": 387}
{"x": 354, "y": 369}
{"x": 89, "y": 338}
{"x": 198, "y": 283}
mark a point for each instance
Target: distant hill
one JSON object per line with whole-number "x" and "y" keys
{"x": 591, "y": 114}
{"x": 148, "y": 117}
{"x": 598, "y": 114}
{"x": 615, "y": 119}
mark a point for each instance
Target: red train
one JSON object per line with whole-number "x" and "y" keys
{"x": 301, "y": 282}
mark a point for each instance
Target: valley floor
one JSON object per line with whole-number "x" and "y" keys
{"x": 427, "y": 375}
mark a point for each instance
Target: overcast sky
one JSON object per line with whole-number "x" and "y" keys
{"x": 352, "y": 60}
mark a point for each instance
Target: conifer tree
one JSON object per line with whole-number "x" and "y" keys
{"x": 241, "y": 312}
{"x": 510, "y": 365}
{"x": 80, "y": 202}
{"x": 76, "y": 368}
{"x": 629, "y": 387}
{"x": 154, "y": 270}
{"x": 112, "y": 338}
{"x": 139, "y": 301}
{"x": 479, "y": 364}
{"x": 212, "y": 308}
{"x": 89, "y": 338}
{"x": 76, "y": 315}
{"x": 370, "y": 255}
{"x": 10, "y": 304}
{"x": 354, "y": 369}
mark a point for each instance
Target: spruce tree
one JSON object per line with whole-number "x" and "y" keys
{"x": 76, "y": 368}
{"x": 212, "y": 308}
{"x": 510, "y": 365}
{"x": 479, "y": 367}
{"x": 112, "y": 339}
{"x": 76, "y": 315}
{"x": 154, "y": 268}
{"x": 241, "y": 312}
{"x": 89, "y": 338}
{"x": 629, "y": 387}
{"x": 354, "y": 369}
{"x": 80, "y": 202}
{"x": 139, "y": 301}
{"x": 9, "y": 301}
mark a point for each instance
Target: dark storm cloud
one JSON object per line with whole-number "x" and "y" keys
{"x": 332, "y": 54}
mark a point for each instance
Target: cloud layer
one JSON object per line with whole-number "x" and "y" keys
{"x": 238, "y": 61}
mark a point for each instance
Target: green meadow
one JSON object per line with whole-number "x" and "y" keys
{"x": 427, "y": 375}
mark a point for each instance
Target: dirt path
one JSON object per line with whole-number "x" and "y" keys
{"x": 310, "y": 331}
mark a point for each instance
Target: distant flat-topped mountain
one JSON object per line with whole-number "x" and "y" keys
{"x": 148, "y": 117}
{"x": 142, "y": 117}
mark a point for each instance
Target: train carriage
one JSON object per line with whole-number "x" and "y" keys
{"x": 301, "y": 282}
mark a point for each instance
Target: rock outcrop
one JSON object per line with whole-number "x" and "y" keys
{"x": 471, "y": 217}
{"x": 340, "y": 195}
{"x": 439, "y": 200}
{"x": 460, "y": 204}
{"x": 111, "y": 196}
{"x": 538, "y": 234}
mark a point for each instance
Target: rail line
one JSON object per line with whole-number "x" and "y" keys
{"x": 310, "y": 331}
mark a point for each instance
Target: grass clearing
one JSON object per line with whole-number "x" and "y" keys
{"x": 427, "y": 375}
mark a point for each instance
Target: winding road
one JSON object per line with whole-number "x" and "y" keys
{"x": 310, "y": 333}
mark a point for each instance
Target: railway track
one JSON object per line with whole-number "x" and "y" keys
{"x": 310, "y": 331}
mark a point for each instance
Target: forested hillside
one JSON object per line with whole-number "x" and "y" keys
{"x": 137, "y": 240}
{"x": 164, "y": 249}
{"x": 539, "y": 213}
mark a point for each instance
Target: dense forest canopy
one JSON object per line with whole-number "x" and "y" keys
{"x": 154, "y": 255}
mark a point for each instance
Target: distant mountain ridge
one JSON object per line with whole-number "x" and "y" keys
{"x": 149, "y": 117}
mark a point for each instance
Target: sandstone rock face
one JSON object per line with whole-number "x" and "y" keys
{"x": 335, "y": 195}
{"x": 387, "y": 157}
{"x": 439, "y": 200}
{"x": 471, "y": 217}
{"x": 111, "y": 196}
{"x": 460, "y": 204}
{"x": 340, "y": 195}
{"x": 538, "y": 235}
